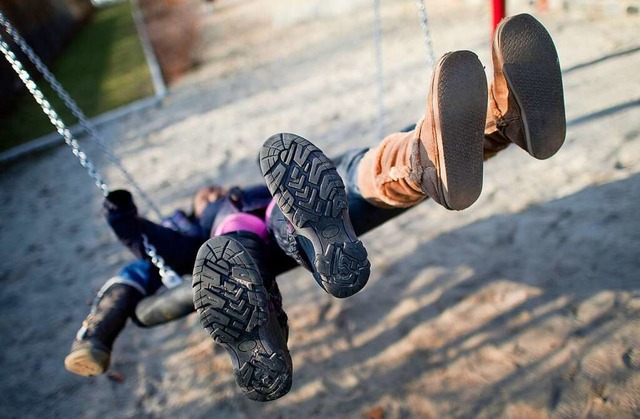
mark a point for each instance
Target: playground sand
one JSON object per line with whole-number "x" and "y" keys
{"x": 526, "y": 305}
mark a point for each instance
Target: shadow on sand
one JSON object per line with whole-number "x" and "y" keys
{"x": 515, "y": 277}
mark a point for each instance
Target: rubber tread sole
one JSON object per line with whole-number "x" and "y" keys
{"x": 532, "y": 71}
{"x": 232, "y": 303}
{"x": 459, "y": 103}
{"x": 311, "y": 195}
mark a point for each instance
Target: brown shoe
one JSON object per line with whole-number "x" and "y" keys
{"x": 88, "y": 357}
{"x": 442, "y": 157}
{"x": 526, "y": 103}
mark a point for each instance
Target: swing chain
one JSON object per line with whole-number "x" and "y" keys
{"x": 169, "y": 277}
{"x": 424, "y": 23}
{"x": 377, "y": 33}
{"x": 75, "y": 110}
{"x": 431, "y": 60}
{"x": 53, "y": 116}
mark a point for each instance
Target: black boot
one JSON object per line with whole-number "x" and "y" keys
{"x": 276, "y": 299}
{"x": 285, "y": 236}
{"x": 310, "y": 193}
{"x": 91, "y": 350}
{"x": 232, "y": 288}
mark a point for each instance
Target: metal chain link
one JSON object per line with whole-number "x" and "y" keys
{"x": 169, "y": 277}
{"x": 377, "y": 33}
{"x": 86, "y": 124}
{"x": 424, "y": 23}
{"x": 53, "y": 116}
{"x": 431, "y": 60}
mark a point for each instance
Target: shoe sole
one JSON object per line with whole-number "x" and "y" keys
{"x": 311, "y": 195}
{"x": 458, "y": 102}
{"x": 87, "y": 362}
{"x": 232, "y": 303}
{"x": 532, "y": 71}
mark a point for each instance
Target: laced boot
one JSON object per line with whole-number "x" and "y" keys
{"x": 241, "y": 224}
{"x": 231, "y": 293}
{"x": 91, "y": 350}
{"x": 526, "y": 101}
{"x": 442, "y": 157}
{"x": 312, "y": 198}
{"x": 276, "y": 299}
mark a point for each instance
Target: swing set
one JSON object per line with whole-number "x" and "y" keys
{"x": 176, "y": 301}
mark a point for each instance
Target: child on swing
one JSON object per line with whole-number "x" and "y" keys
{"x": 319, "y": 206}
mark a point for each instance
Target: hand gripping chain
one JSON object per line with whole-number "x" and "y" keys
{"x": 170, "y": 278}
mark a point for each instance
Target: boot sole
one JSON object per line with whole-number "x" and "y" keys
{"x": 532, "y": 71}
{"x": 458, "y": 104}
{"x": 311, "y": 195}
{"x": 87, "y": 362}
{"x": 232, "y": 303}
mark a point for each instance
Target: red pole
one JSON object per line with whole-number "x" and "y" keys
{"x": 543, "y": 5}
{"x": 499, "y": 9}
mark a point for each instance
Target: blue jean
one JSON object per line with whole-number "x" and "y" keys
{"x": 142, "y": 273}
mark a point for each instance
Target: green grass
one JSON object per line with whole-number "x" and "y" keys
{"x": 102, "y": 68}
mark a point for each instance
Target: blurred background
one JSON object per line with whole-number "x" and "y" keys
{"x": 526, "y": 305}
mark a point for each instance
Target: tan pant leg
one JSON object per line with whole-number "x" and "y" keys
{"x": 384, "y": 173}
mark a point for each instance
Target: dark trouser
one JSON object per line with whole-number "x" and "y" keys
{"x": 178, "y": 302}
{"x": 179, "y": 251}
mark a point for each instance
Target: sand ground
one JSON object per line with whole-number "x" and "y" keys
{"x": 527, "y": 305}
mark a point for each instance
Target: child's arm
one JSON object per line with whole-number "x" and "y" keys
{"x": 177, "y": 249}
